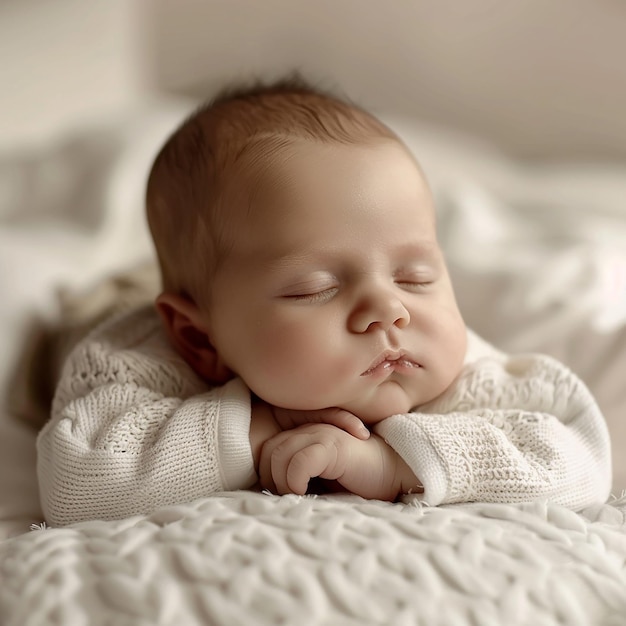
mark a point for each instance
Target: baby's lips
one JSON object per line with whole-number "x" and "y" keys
{"x": 390, "y": 359}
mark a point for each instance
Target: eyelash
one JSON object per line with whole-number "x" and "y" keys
{"x": 317, "y": 297}
{"x": 414, "y": 285}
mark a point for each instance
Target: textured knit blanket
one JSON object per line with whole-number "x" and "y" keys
{"x": 251, "y": 558}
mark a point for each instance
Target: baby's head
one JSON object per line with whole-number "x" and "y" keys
{"x": 297, "y": 244}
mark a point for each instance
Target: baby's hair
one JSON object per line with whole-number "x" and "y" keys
{"x": 204, "y": 167}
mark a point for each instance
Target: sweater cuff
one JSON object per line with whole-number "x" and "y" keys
{"x": 233, "y": 433}
{"x": 413, "y": 445}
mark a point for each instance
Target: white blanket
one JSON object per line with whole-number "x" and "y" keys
{"x": 538, "y": 256}
{"x": 247, "y": 558}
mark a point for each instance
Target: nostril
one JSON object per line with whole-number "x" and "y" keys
{"x": 401, "y": 322}
{"x": 402, "y": 316}
{"x": 379, "y": 313}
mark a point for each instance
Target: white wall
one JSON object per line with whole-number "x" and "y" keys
{"x": 66, "y": 62}
{"x": 541, "y": 76}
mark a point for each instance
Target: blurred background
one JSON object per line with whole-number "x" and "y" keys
{"x": 517, "y": 110}
{"x": 542, "y": 78}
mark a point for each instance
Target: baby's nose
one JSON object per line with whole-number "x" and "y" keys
{"x": 379, "y": 311}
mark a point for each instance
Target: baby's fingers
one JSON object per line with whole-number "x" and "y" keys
{"x": 346, "y": 421}
{"x": 305, "y": 464}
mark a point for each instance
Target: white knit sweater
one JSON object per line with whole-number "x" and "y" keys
{"x": 133, "y": 428}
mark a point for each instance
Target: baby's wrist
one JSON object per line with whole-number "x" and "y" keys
{"x": 406, "y": 480}
{"x": 400, "y": 477}
{"x": 263, "y": 426}
{"x": 397, "y": 478}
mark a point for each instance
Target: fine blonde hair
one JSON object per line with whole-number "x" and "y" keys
{"x": 200, "y": 171}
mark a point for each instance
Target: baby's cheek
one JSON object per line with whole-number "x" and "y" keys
{"x": 290, "y": 351}
{"x": 301, "y": 359}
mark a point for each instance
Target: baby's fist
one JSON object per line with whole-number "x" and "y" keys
{"x": 292, "y": 457}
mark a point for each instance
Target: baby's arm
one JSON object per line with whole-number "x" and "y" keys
{"x": 514, "y": 430}
{"x": 124, "y": 449}
{"x": 368, "y": 468}
{"x": 134, "y": 429}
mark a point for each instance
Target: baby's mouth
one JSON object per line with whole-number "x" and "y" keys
{"x": 390, "y": 361}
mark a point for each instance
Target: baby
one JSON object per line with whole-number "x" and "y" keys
{"x": 307, "y": 328}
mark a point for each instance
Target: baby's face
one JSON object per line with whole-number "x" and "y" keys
{"x": 335, "y": 293}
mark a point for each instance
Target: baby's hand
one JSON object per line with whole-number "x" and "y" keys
{"x": 368, "y": 468}
{"x": 350, "y": 423}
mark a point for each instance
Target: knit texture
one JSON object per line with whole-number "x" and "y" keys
{"x": 512, "y": 429}
{"x": 133, "y": 428}
{"x": 249, "y": 559}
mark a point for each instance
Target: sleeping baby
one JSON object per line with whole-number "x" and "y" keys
{"x": 306, "y": 333}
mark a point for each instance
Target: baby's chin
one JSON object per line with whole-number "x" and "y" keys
{"x": 377, "y": 411}
{"x": 391, "y": 399}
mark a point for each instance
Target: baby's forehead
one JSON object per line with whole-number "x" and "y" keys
{"x": 268, "y": 165}
{"x": 274, "y": 168}
{"x": 278, "y": 168}
{"x": 264, "y": 157}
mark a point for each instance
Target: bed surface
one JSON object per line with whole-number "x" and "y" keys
{"x": 248, "y": 558}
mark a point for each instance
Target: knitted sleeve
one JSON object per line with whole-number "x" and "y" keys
{"x": 512, "y": 429}
{"x": 130, "y": 432}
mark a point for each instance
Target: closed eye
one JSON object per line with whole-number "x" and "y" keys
{"x": 319, "y": 297}
{"x": 413, "y": 285}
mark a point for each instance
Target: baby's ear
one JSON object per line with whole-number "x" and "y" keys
{"x": 186, "y": 330}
